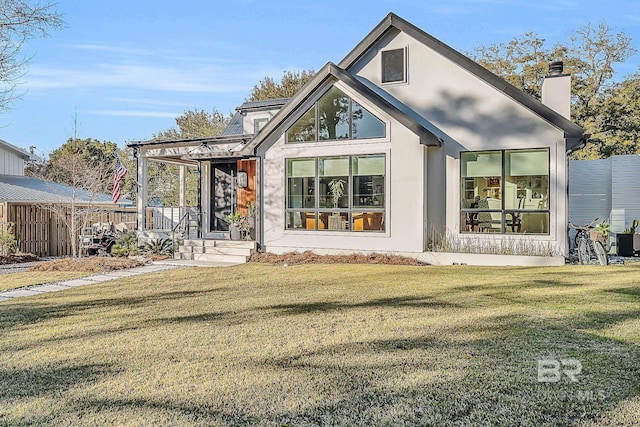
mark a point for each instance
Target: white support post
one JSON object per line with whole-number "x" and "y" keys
{"x": 142, "y": 191}
{"x": 183, "y": 187}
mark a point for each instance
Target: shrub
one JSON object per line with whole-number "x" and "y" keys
{"x": 8, "y": 243}
{"x": 126, "y": 245}
{"x": 158, "y": 247}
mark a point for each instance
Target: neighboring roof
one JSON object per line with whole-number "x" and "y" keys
{"x": 15, "y": 188}
{"x": 210, "y": 140}
{"x": 22, "y": 153}
{"x": 235, "y": 126}
{"x": 398, "y": 111}
{"x": 267, "y": 104}
{"x": 573, "y": 132}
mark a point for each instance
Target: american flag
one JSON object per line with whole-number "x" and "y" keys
{"x": 118, "y": 174}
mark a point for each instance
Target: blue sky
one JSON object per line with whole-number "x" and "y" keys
{"x": 127, "y": 68}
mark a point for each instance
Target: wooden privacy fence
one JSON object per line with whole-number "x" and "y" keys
{"x": 43, "y": 233}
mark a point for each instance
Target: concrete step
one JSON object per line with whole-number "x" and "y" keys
{"x": 216, "y": 250}
{"x": 227, "y": 251}
{"x": 241, "y": 259}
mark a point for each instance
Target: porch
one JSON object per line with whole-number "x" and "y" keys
{"x": 224, "y": 184}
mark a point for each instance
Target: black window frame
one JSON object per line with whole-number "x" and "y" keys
{"x": 465, "y": 212}
{"x": 351, "y": 206}
{"x": 387, "y": 55}
{"x": 316, "y": 129}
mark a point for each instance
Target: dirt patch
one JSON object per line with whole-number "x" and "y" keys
{"x": 91, "y": 264}
{"x": 18, "y": 259}
{"x": 309, "y": 257}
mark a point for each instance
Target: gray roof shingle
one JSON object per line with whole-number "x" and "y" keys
{"x": 27, "y": 189}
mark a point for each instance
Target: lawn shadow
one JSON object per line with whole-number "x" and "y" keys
{"x": 47, "y": 380}
{"x": 28, "y": 311}
{"x": 187, "y": 412}
{"x": 396, "y": 302}
{"x": 497, "y": 381}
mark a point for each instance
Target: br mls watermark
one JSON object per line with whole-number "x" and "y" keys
{"x": 551, "y": 370}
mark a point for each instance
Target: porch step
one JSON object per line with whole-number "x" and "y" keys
{"x": 216, "y": 250}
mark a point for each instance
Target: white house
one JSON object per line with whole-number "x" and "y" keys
{"x": 403, "y": 145}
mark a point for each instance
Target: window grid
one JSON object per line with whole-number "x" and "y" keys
{"x": 503, "y": 211}
{"x": 349, "y": 210}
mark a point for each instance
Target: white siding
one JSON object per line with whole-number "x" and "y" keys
{"x": 608, "y": 189}
{"x": 404, "y": 198}
{"x": 11, "y": 163}
{"x": 589, "y": 190}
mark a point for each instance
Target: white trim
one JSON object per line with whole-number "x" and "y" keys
{"x": 406, "y": 67}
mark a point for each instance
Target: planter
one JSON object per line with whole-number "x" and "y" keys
{"x": 251, "y": 221}
{"x": 624, "y": 243}
{"x": 335, "y": 222}
{"x": 636, "y": 243}
{"x": 234, "y": 231}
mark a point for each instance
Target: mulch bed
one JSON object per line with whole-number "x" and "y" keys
{"x": 92, "y": 264}
{"x": 18, "y": 259}
{"x": 309, "y": 257}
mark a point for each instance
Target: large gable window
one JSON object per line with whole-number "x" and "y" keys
{"x": 341, "y": 193}
{"x": 394, "y": 66}
{"x": 335, "y": 116}
{"x": 505, "y": 191}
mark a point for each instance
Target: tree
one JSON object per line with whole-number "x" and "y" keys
{"x": 20, "y": 21}
{"x": 196, "y": 124}
{"x": 619, "y": 119}
{"x": 290, "y": 84}
{"x": 92, "y": 152}
{"x": 87, "y": 167}
{"x": 80, "y": 174}
{"x": 589, "y": 57}
{"x": 163, "y": 186}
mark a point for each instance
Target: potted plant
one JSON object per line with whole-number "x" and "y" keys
{"x": 601, "y": 232}
{"x": 251, "y": 219}
{"x": 235, "y": 221}
{"x": 336, "y": 191}
{"x": 628, "y": 241}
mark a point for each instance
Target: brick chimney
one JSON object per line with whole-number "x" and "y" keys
{"x": 556, "y": 89}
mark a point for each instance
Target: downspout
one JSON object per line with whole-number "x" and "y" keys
{"x": 580, "y": 146}
{"x": 199, "y": 199}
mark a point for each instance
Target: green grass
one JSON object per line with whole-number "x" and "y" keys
{"x": 326, "y": 345}
{"x": 18, "y": 280}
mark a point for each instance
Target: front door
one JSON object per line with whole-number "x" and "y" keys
{"x": 223, "y": 194}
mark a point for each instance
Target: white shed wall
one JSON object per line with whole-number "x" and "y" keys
{"x": 11, "y": 163}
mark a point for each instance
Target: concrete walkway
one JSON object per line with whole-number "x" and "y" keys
{"x": 28, "y": 291}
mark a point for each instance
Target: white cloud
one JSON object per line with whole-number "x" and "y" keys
{"x": 133, "y": 113}
{"x": 137, "y": 76}
{"x": 147, "y": 101}
{"x": 110, "y": 48}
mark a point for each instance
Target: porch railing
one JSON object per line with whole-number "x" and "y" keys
{"x": 169, "y": 218}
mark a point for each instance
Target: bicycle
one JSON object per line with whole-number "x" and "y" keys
{"x": 588, "y": 241}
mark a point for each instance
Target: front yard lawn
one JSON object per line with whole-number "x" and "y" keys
{"x": 328, "y": 345}
{"x": 18, "y": 280}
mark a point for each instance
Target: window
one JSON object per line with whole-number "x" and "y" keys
{"x": 258, "y": 124}
{"x": 505, "y": 191}
{"x": 334, "y": 117}
{"x": 393, "y": 66}
{"x": 341, "y": 193}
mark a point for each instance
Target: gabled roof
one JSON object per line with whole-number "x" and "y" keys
{"x": 266, "y": 104}
{"x": 572, "y": 131}
{"x": 19, "y": 151}
{"x": 15, "y": 188}
{"x": 404, "y": 115}
{"x": 235, "y": 126}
